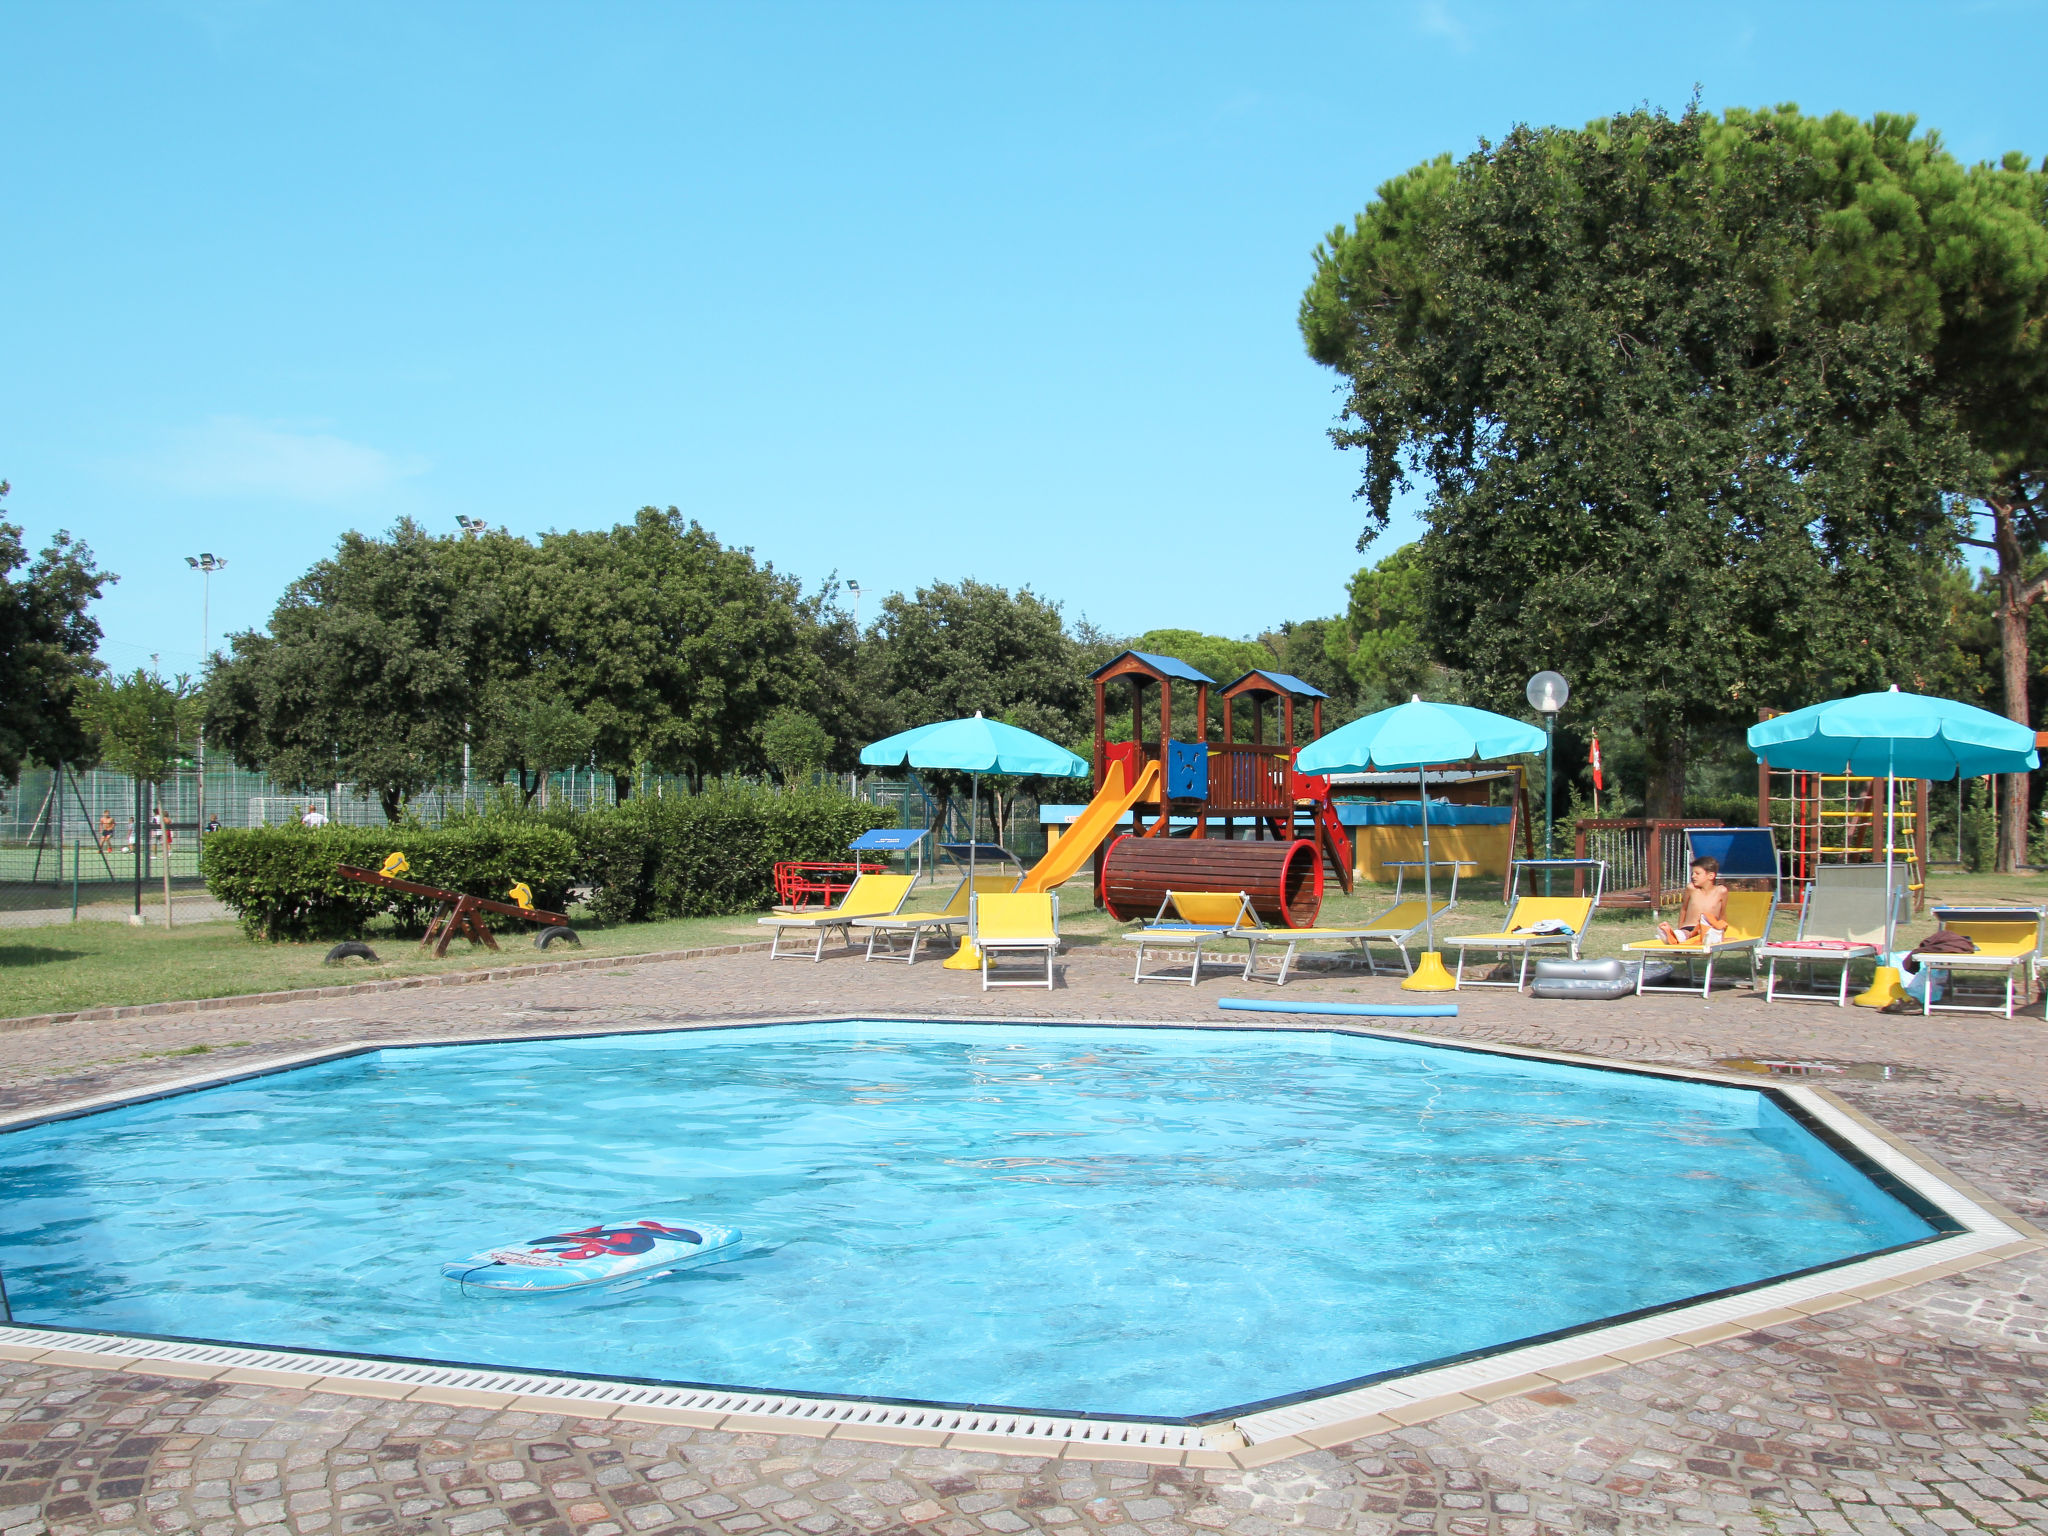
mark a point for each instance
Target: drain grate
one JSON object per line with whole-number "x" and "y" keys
{"x": 624, "y": 1394}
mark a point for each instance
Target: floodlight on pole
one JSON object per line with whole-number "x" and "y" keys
{"x": 472, "y": 526}
{"x": 854, "y": 588}
{"x": 1547, "y": 693}
{"x": 205, "y": 565}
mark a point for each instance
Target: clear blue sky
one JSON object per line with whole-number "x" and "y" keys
{"x": 908, "y": 292}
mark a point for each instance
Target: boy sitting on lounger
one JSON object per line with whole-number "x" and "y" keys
{"x": 1704, "y": 918}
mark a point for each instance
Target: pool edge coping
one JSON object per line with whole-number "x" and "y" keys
{"x": 1989, "y": 1233}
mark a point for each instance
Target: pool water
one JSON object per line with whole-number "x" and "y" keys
{"x": 1157, "y": 1222}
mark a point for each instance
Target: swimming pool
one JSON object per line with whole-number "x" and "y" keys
{"x": 1154, "y": 1222}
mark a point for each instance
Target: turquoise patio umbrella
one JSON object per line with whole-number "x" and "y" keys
{"x": 975, "y": 747}
{"x": 1894, "y": 734}
{"x": 1413, "y": 735}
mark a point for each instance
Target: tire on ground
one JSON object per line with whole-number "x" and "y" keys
{"x": 549, "y": 937}
{"x": 351, "y": 949}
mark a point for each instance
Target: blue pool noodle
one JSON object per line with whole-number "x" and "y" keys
{"x": 1361, "y": 1010}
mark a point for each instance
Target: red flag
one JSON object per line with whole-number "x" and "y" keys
{"x": 1597, "y": 782}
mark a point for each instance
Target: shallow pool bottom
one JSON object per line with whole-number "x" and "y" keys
{"x": 1142, "y": 1222}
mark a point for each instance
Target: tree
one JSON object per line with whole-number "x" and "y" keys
{"x": 1671, "y": 450}
{"x": 674, "y": 647}
{"x": 795, "y": 745}
{"x": 139, "y": 725}
{"x": 530, "y": 731}
{"x": 371, "y": 668}
{"x": 1380, "y": 641}
{"x": 47, "y": 640}
{"x": 645, "y": 644}
{"x": 961, "y": 647}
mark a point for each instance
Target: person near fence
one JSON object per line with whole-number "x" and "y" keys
{"x": 314, "y": 817}
{"x": 1704, "y": 918}
{"x": 106, "y": 831}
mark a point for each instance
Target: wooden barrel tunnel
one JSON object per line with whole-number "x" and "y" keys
{"x": 1283, "y": 879}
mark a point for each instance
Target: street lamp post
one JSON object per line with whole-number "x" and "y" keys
{"x": 205, "y": 565}
{"x": 1547, "y": 692}
{"x": 853, "y": 778}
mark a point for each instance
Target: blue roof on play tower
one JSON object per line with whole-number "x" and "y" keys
{"x": 1284, "y": 682}
{"x": 1169, "y": 666}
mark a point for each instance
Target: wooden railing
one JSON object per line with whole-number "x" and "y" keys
{"x": 1645, "y": 858}
{"x": 1244, "y": 780}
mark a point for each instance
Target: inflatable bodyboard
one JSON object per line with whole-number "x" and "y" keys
{"x": 591, "y": 1255}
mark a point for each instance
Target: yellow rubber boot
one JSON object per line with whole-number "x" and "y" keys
{"x": 1430, "y": 975}
{"x": 1886, "y": 987}
{"x": 966, "y": 958}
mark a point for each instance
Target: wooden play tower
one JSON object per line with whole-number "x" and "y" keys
{"x": 1240, "y": 805}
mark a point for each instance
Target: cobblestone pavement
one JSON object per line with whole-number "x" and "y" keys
{"x": 1912, "y": 1413}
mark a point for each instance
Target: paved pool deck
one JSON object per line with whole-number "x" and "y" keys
{"x": 1913, "y": 1411}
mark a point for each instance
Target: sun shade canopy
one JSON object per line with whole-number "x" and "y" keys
{"x": 1411, "y": 734}
{"x": 974, "y": 746}
{"x": 1897, "y": 735}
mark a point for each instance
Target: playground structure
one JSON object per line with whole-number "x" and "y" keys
{"x": 1203, "y": 810}
{"x": 1839, "y": 818}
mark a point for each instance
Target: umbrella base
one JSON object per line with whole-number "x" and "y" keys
{"x": 1885, "y": 989}
{"x": 966, "y": 958}
{"x": 1430, "y": 975}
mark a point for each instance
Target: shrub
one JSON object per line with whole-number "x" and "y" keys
{"x": 282, "y": 881}
{"x": 710, "y": 854}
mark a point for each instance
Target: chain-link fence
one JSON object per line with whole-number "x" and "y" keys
{"x": 88, "y": 844}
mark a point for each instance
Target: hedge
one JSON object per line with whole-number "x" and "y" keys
{"x": 281, "y": 881}
{"x": 687, "y": 856}
{"x": 710, "y": 854}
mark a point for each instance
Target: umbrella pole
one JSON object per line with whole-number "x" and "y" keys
{"x": 968, "y": 956}
{"x": 1430, "y": 975}
{"x": 1885, "y": 986}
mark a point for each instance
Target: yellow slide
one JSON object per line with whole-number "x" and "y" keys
{"x": 1064, "y": 859}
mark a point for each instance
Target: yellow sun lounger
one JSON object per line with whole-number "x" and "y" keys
{"x": 1022, "y": 923}
{"x": 869, "y": 896}
{"x": 1749, "y": 923}
{"x": 1200, "y": 917}
{"x": 1521, "y": 936}
{"x": 940, "y": 923}
{"x": 2008, "y": 941}
{"x": 1396, "y": 926}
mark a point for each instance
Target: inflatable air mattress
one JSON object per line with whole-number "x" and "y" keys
{"x": 1592, "y": 978}
{"x": 591, "y": 1255}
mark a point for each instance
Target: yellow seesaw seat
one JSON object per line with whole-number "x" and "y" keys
{"x": 868, "y": 896}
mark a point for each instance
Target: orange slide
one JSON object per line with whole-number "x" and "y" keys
{"x": 1063, "y": 860}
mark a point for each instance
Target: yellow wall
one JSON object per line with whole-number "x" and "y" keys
{"x": 1488, "y": 847}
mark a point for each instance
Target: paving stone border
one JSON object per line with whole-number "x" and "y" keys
{"x": 1923, "y": 1411}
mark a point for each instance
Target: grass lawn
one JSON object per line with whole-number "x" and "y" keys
{"x": 93, "y": 964}
{"x": 97, "y": 964}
